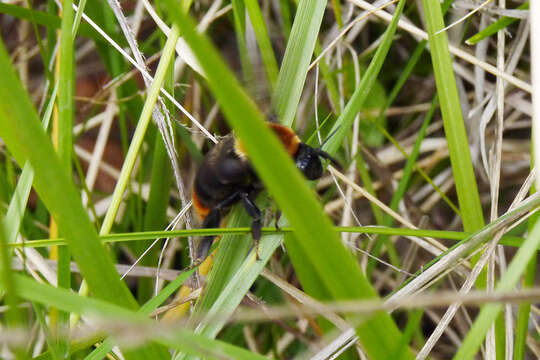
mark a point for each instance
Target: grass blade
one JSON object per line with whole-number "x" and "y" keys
{"x": 46, "y": 19}
{"x": 344, "y": 122}
{"x": 19, "y": 126}
{"x": 176, "y": 338}
{"x": 507, "y": 240}
{"x": 64, "y": 143}
{"x": 13, "y": 316}
{"x": 293, "y": 72}
{"x": 508, "y": 281}
{"x": 502, "y": 23}
{"x": 101, "y": 351}
{"x": 265, "y": 46}
{"x": 458, "y": 146}
{"x": 335, "y": 265}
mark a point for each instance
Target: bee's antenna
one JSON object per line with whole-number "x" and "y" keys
{"x": 327, "y": 156}
{"x": 329, "y": 136}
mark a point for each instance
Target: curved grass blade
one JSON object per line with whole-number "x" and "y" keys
{"x": 176, "y": 337}
{"x": 46, "y": 19}
{"x": 234, "y": 290}
{"x": 13, "y": 316}
{"x": 293, "y": 72}
{"x": 101, "y": 351}
{"x": 344, "y": 122}
{"x": 335, "y": 266}
{"x": 461, "y": 249}
{"x": 239, "y": 15}
{"x": 231, "y": 254}
{"x": 502, "y": 23}
{"x": 524, "y": 310}
{"x": 265, "y": 46}
{"x": 19, "y": 127}
{"x": 403, "y": 183}
{"x": 508, "y": 281}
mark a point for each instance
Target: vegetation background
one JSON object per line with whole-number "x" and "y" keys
{"x": 423, "y": 245}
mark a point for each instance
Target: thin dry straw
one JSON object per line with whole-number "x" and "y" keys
{"x": 469, "y": 14}
{"x": 453, "y": 49}
{"x": 535, "y": 80}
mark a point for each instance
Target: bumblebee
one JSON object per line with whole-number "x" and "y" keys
{"x": 226, "y": 177}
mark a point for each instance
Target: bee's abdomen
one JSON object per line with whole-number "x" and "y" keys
{"x": 207, "y": 192}
{"x": 201, "y": 209}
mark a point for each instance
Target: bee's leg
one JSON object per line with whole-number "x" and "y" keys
{"x": 256, "y": 224}
{"x": 276, "y": 223}
{"x": 213, "y": 220}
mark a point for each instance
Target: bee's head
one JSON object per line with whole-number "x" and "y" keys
{"x": 308, "y": 161}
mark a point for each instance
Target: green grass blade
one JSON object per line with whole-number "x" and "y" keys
{"x": 239, "y": 14}
{"x": 65, "y": 144}
{"x": 19, "y": 200}
{"x": 346, "y": 119}
{"x": 285, "y": 11}
{"x": 265, "y": 46}
{"x": 334, "y": 264}
{"x": 522, "y": 324}
{"x": 456, "y": 136}
{"x": 342, "y": 127}
{"x": 508, "y": 281}
{"x": 13, "y": 317}
{"x": 413, "y": 324}
{"x": 17, "y": 205}
{"x": 101, "y": 351}
{"x": 155, "y": 213}
{"x": 404, "y": 182}
{"x": 46, "y": 19}
{"x": 66, "y": 87}
{"x": 294, "y": 67}
{"x": 305, "y": 269}
{"x": 50, "y": 33}
{"x": 180, "y": 339}
{"x": 53, "y": 350}
{"x": 492, "y": 29}
{"x": 42, "y": 51}
{"x": 336, "y": 6}
{"x": 363, "y": 171}
{"x": 234, "y": 290}
{"x": 524, "y": 310}
{"x": 140, "y": 131}
{"x": 78, "y": 15}
{"x": 411, "y": 161}
{"x": 19, "y": 126}
{"x": 508, "y": 240}
{"x": 329, "y": 79}
{"x": 231, "y": 254}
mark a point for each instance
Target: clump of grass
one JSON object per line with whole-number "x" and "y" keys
{"x": 110, "y": 141}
